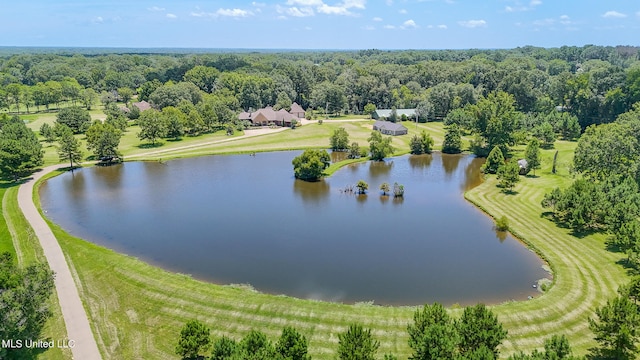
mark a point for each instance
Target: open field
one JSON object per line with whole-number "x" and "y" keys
{"x": 138, "y": 309}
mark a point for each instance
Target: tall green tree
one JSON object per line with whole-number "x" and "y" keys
{"x": 175, "y": 121}
{"x": 508, "y": 175}
{"x": 194, "y": 338}
{"x": 103, "y": 140}
{"x": 421, "y": 144}
{"x": 452, "y": 143}
{"x": 24, "y": 304}
{"x": 76, "y": 118}
{"x": 532, "y": 155}
{"x": 496, "y": 120}
{"x": 369, "y": 109}
{"x": 494, "y": 161}
{"x": 479, "y": 327}
{"x": 616, "y": 329}
{"x": 310, "y": 164}
{"x": 339, "y": 139}
{"x": 152, "y": 126}
{"x": 432, "y": 334}
{"x": 69, "y": 149}
{"x": 357, "y": 344}
{"x": 378, "y": 146}
{"x": 223, "y": 348}
{"x": 20, "y": 151}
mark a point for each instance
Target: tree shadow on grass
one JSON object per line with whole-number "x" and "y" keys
{"x": 509, "y": 192}
{"x": 149, "y": 145}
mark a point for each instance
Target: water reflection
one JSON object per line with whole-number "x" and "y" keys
{"x": 315, "y": 191}
{"x": 337, "y": 156}
{"x": 379, "y": 169}
{"x": 450, "y": 163}
{"x": 501, "y": 235}
{"x": 420, "y": 161}
{"x": 245, "y": 219}
{"x": 472, "y": 174}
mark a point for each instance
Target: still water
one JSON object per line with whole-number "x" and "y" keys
{"x": 245, "y": 219}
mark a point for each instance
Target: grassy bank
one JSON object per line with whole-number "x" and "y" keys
{"x": 17, "y": 237}
{"x": 137, "y": 309}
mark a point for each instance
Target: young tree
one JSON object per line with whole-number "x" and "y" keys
{"x": 46, "y": 131}
{"x": 369, "y": 109}
{"x": 385, "y": 188}
{"x": 310, "y": 164}
{"x": 152, "y": 126}
{"x": 421, "y": 144}
{"x": 545, "y": 133}
{"x": 479, "y": 327}
{"x": 452, "y": 143}
{"x": 357, "y": 344}
{"x": 432, "y": 335}
{"x": 339, "y": 139}
{"x": 508, "y": 174}
{"x": 379, "y": 147}
{"x": 194, "y": 338}
{"x": 354, "y": 151}
{"x": 494, "y": 161}
{"x": 69, "y": 149}
{"x": 362, "y": 186}
{"x": 223, "y": 348}
{"x": 532, "y": 155}
{"x": 76, "y": 118}
{"x": 292, "y": 345}
{"x": 616, "y": 328}
{"x": 103, "y": 140}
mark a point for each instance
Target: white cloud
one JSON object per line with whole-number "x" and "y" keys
{"x": 299, "y": 12}
{"x": 308, "y": 28}
{"x": 402, "y": 11}
{"x": 369, "y": 28}
{"x": 614, "y": 14}
{"x": 544, "y": 22}
{"x": 305, "y": 2}
{"x": 258, "y": 4}
{"x": 389, "y": 2}
{"x": 409, "y": 24}
{"x": 156, "y": 8}
{"x": 377, "y": 19}
{"x": 234, "y": 13}
{"x": 442, "y": 26}
{"x": 565, "y": 20}
{"x": 97, "y": 20}
{"x": 172, "y": 16}
{"x": 390, "y": 27}
{"x": 519, "y": 6}
{"x": 300, "y": 8}
{"x": 237, "y": 13}
{"x": 473, "y": 23}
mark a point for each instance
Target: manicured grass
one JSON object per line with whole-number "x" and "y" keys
{"x": 137, "y": 309}
{"x": 26, "y": 248}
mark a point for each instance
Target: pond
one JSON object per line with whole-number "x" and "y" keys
{"x": 245, "y": 219}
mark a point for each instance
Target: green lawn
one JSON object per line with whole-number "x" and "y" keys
{"x": 17, "y": 237}
{"x": 137, "y": 309}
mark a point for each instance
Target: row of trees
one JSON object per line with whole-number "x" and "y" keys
{"x": 593, "y": 83}
{"x": 433, "y": 334}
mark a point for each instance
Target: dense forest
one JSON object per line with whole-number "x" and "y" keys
{"x": 594, "y": 83}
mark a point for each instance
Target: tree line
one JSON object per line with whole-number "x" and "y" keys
{"x": 594, "y": 83}
{"x": 432, "y": 335}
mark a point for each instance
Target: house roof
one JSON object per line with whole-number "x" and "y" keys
{"x": 270, "y": 114}
{"x": 388, "y": 125}
{"x": 142, "y": 105}
{"x": 387, "y": 112}
{"x": 295, "y": 108}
